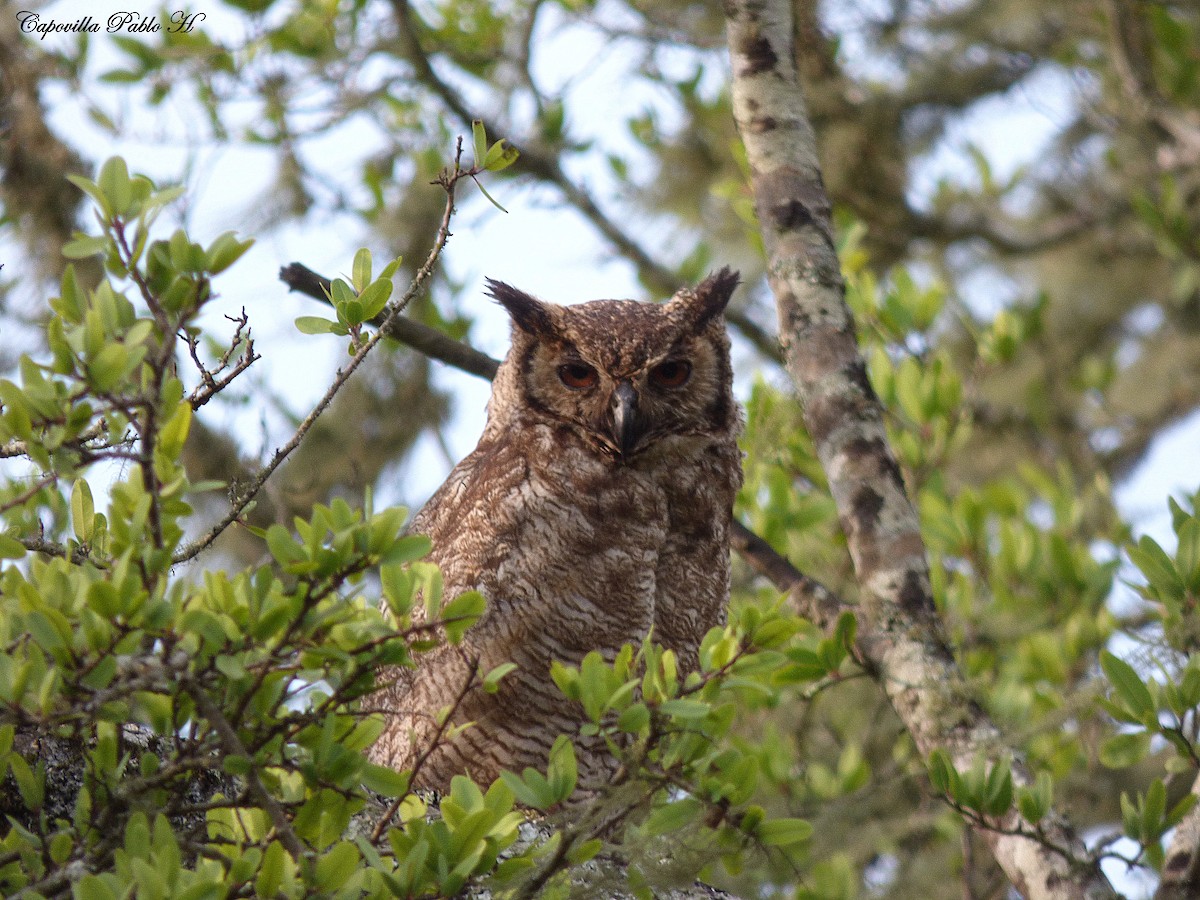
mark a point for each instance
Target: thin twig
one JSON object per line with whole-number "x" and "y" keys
{"x": 233, "y": 746}
{"x": 44, "y": 481}
{"x": 15, "y": 447}
{"x": 449, "y": 181}
{"x": 211, "y": 386}
{"x": 430, "y": 746}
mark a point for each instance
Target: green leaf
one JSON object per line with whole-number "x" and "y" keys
{"x": 479, "y": 137}
{"x": 1034, "y": 802}
{"x": 998, "y": 790}
{"x": 335, "y": 867}
{"x": 391, "y": 268}
{"x": 1180, "y": 809}
{"x": 385, "y": 780}
{"x": 406, "y": 549}
{"x": 783, "y": 832}
{"x": 163, "y": 197}
{"x": 29, "y": 782}
{"x": 1154, "y": 811}
{"x": 114, "y": 182}
{"x": 174, "y": 434}
{"x": 634, "y": 718}
{"x": 224, "y": 252}
{"x": 11, "y": 548}
{"x": 585, "y": 851}
{"x": 941, "y": 770}
{"x": 92, "y": 887}
{"x": 351, "y": 312}
{"x": 108, "y": 366}
{"x": 527, "y": 794}
{"x": 83, "y": 246}
{"x": 1157, "y": 566}
{"x": 846, "y": 630}
{"x": 340, "y": 292}
{"x": 283, "y": 546}
{"x": 685, "y": 709}
{"x": 1129, "y": 687}
{"x": 315, "y": 325}
{"x": 1187, "y": 555}
{"x": 461, "y": 613}
{"x": 490, "y": 198}
{"x": 500, "y": 156}
{"x": 672, "y": 817}
{"x": 1124, "y": 750}
{"x": 562, "y": 773}
{"x": 270, "y": 873}
{"x": 92, "y": 189}
{"x": 361, "y": 273}
{"x": 375, "y": 298}
{"x": 491, "y": 681}
{"x": 83, "y": 511}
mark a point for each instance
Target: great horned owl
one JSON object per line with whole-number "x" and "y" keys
{"x": 595, "y": 508}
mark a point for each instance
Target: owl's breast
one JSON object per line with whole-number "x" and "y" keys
{"x": 599, "y": 527}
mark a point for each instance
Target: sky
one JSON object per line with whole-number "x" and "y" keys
{"x": 227, "y": 180}
{"x": 536, "y": 245}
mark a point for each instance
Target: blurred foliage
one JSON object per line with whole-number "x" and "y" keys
{"x": 1030, "y": 319}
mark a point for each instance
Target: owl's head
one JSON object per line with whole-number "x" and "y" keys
{"x": 621, "y": 374}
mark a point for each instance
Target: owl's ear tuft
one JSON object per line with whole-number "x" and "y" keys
{"x": 710, "y": 297}
{"x": 528, "y": 313}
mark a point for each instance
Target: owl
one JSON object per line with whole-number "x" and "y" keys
{"x": 594, "y": 511}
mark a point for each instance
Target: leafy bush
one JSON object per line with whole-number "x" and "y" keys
{"x": 179, "y": 730}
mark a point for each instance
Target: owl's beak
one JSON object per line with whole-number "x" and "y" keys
{"x": 626, "y": 429}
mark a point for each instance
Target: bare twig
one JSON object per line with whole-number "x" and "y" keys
{"x": 211, "y": 386}
{"x": 431, "y": 745}
{"x": 449, "y": 181}
{"x": 78, "y": 555}
{"x": 15, "y": 447}
{"x": 232, "y": 745}
{"x": 44, "y": 481}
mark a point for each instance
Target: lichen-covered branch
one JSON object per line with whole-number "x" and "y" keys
{"x": 1181, "y": 868}
{"x": 845, "y": 421}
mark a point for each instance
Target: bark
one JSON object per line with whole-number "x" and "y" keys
{"x": 1181, "y": 868}
{"x": 844, "y": 417}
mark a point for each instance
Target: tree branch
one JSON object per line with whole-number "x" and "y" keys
{"x": 547, "y": 168}
{"x": 233, "y": 746}
{"x": 809, "y": 597}
{"x": 1130, "y": 42}
{"x": 845, "y": 419}
{"x": 1181, "y": 867}
{"x": 419, "y": 336}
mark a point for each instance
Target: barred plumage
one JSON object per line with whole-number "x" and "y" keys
{"x": 595, "y": 507}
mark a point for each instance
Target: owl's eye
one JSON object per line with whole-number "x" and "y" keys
{"x": 671, "y": 374}
{"x": 577, "y": 376}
